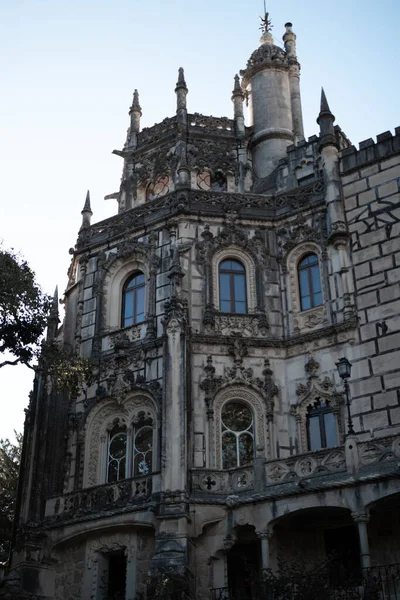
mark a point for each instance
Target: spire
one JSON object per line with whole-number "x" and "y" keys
{"x": 86, "y": 212}
{"x": 324, "y": 110}
{"x": 135, "y": 112}
{"x": 237, "y": 99}
{"x": 181, "y": 83}
{"x": 237, "y": 89}
{"x": 135, "y": 104}
{"x": 325, "y": 121}
{"x": 54, "y": 304}
{"x": 181, "y": 91}
{"x": 53, "y": 320}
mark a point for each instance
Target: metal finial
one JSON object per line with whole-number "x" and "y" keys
{"x": 266, "y": 24}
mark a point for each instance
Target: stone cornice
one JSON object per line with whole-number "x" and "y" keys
{"x": 255, "y": 207}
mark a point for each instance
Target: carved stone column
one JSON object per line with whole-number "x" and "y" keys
{"x": 265, "y": 536}
{"x": 361, "y": 518}
{"x": 131, "y": 557}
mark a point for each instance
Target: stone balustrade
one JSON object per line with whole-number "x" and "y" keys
{"x": 223, "y": 482}
{"x": 110, "y": 496}
{"x": 369, "y": 457}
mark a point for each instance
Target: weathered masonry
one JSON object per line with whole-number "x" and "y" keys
{"x": 244, "y": 263}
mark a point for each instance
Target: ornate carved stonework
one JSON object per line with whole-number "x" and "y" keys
{"x": 300, "y": 467}
{"x": 312, "y": 391}
{"x": 101, "y": 420}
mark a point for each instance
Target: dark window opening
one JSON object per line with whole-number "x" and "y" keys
{"x": 244, "y": 571}
{"x": 343, "y": 550}
{"x": 232, "y": 287}
{"x": 321, "y": 426}
{"x": 133, "y": 300}
{"x": 116, "y": 584}
{"x": 309, "y": 282}
{"x": 218, "y": 182}
{"x": 306, "y": 179}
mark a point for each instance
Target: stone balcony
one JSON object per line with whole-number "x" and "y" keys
{"x": 311, "y": 470}
{"x": 119, "y": 497}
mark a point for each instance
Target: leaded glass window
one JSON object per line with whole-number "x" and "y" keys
{"x": 309, "y": 282}
{"x": 133, "y": 300}
{"x": 232, "y": 287}
{"x": 142, "y": 450}
{"x": 321, "y": 426}
{"x": 116, "y": 464}
{"x": 237, "y": 426}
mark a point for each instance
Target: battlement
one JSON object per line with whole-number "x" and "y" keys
{"x": 386, "y": 145}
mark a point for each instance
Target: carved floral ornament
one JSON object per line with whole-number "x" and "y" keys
{"x": 238, "y": 375}
{"x": 101, "y": 420}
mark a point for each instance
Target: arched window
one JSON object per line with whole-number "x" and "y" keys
{"x": 309, "y": 282}
{"x": 133, "y": 300}
{"x": 116, "y": 460}
{"x": 237, "y": 435}
{"x": 321, "y": 426}
{"x": 232, "y": 287}
{"x": 142, "y": 449}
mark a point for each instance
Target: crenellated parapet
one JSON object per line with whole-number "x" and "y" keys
{"x": 386, "y": 145}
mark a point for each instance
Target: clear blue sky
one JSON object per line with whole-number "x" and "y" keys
{"x": 68, "y": 69}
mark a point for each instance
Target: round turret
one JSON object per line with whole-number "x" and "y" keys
{"x": 271, "y": 84}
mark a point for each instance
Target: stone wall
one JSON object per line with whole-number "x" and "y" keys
{"x": 372, "y": 202}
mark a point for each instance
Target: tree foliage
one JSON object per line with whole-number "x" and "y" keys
{"x": 10, "y": 456}
{"x": 66, "y": 369}
{"x": 23, "y": 309}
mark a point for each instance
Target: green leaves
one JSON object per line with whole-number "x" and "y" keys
{"x": 66, "y": 369}
{"x": 10, "y": 456}
{"x": 23, "y": 309}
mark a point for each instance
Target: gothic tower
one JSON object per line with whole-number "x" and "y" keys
{"x": 220, "y": 311}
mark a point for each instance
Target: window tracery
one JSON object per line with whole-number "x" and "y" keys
{"x": 237, "y": 435}
{"x": 121, "y": 440}
{"x": 237, "y": 411}
{"x": 116, "y": 459}
{"x": 158, "y": 189}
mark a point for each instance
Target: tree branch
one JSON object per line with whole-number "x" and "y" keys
{"x": 17, "y": 361}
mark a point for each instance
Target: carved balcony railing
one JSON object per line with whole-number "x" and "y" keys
{"x": 381, "y": 450}
{"x": 375, "y": 583}
{"x": 110, "y": 496}
{"x": 223, "y": 482}
{"x": 326, "y": 461}
{"x": 373, "y": 457}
